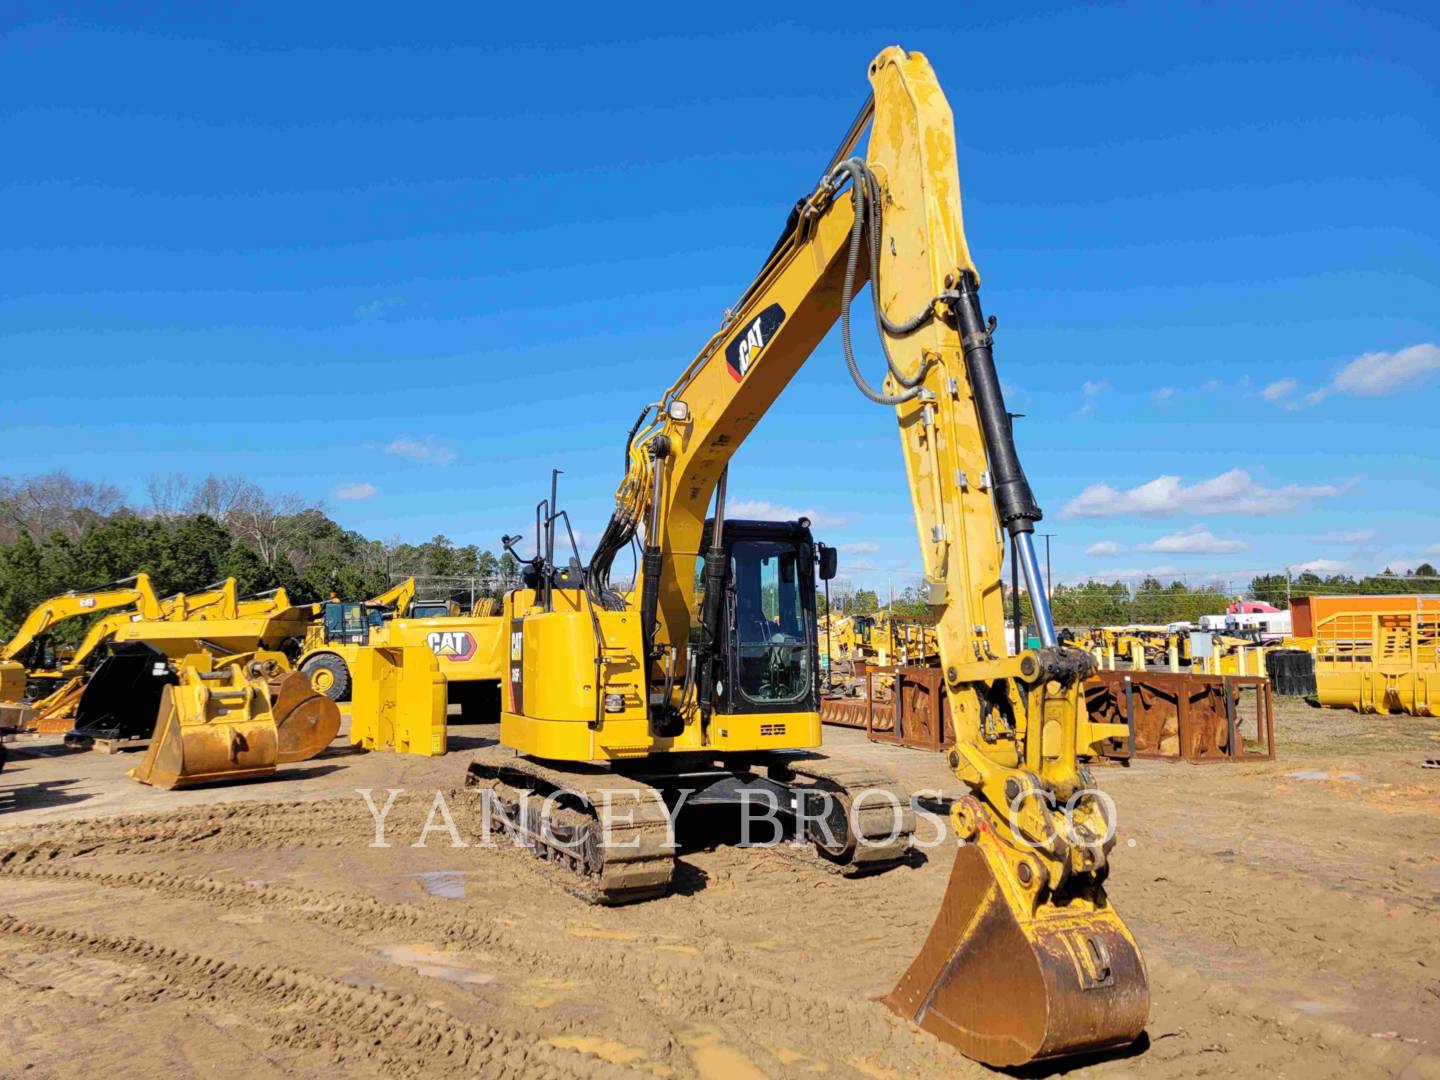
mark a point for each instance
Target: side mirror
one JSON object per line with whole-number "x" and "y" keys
{"x": 829, "y": 562}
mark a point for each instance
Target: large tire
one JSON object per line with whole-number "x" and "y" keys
{"x": 328, "y": 675}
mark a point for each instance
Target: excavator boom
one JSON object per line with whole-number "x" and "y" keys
{"x": 135, "y": 592}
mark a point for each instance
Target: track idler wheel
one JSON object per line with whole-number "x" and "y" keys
{"x": 1006, "y": 985}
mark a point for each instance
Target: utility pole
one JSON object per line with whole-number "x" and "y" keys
{"x": 1049, "y": 582}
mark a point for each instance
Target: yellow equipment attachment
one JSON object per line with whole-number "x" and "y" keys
{"x": 1008, "y": 976}
{"x": 1373, "y": 657}
{"x": 398, "y": 700}
{"x": 235, "y": 721}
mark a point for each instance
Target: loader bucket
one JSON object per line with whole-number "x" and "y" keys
{"x": 1008, "y": 987}
{"x": 306, "y": 721}
{"x": 212, "y": 726}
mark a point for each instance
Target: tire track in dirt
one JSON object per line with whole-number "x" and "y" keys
{"x": 773, "y": 1005}
{"x": 326, "y": 823}
{"x": 681, "y": 988}
{"x": 409, "y": 1038}
{"x": 1386, "y": 942}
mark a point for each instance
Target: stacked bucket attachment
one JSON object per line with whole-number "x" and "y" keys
{"x": 235, "y": 721}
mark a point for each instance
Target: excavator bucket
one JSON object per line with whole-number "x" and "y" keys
{"x": 213, "y": 725}
{"x": 1007, "y": 983}
{"x": 306, "y": 721}
{"x": 120, "y": 699}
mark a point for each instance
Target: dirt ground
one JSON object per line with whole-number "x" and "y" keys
{"x": 1289, "y": 914}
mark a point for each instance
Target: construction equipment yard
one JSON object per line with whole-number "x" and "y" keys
{"x": 1289, "y": 914}
{"x": 705, "y": 736}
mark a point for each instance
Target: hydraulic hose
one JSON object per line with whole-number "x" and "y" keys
{"x": 857, "y": 172}
{"x": 865, "y": 194}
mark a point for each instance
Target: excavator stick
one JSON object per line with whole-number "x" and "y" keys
{"x": 1009, "y": 976}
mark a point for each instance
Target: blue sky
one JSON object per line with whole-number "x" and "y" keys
{"x": 406, "y": 260}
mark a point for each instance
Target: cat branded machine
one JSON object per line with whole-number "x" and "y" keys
{"x": 701, "y": 679}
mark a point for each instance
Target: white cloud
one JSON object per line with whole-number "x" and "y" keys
{"x": 1359, "y": 536}
{"x": 764, "y": 510}
{"x": 1232, "y": 492}
{"x": 1089, "y": 391}
{"x": 1378, "y": 373}
{"x": 1279, "y": 390}
{"x": 1135, "y": 573}
{"x": 1435, "y": 550}
{"x": 1165, "y": 393}
{"x": 355, "y": 492}
{"x": 378, "y": 307}
{"x": 860, "y": 547}
{"x": 1104, "y": 548}
{"x": 1321, "y": 566}
{"x": 427, "y": 449}
{"x": 1196, "y": 540}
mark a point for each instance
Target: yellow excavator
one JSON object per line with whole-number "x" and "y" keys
{"x": 55, "y": 692}
{"x": 700, "y": 680}
{"x": 30, "y": 650}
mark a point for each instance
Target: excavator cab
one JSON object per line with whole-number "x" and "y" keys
{"x": 770, "y": 651}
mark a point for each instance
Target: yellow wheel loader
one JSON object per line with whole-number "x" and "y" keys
{"x": 336, "y": 632}
{"x": 698, "y": 683}
{"x": 469, "y": 649}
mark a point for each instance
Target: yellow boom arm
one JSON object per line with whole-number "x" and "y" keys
{"x": 398, "y": 597}
{"x": 134, "y": 591}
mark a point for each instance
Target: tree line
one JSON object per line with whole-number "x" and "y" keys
{"x": 58, "y": 534}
